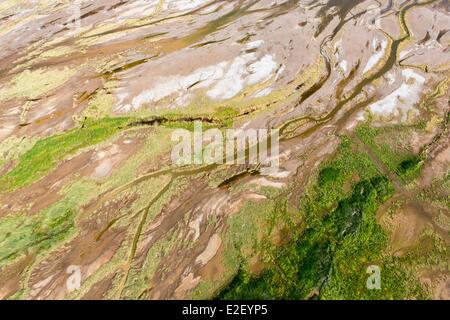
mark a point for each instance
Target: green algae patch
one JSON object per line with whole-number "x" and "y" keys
{"x": 46, "y": 153}
{"x": 34, "y": 84}
{"x": 13, "y": 147}
{"x": 100, "y": 105}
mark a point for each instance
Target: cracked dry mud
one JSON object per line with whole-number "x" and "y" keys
{"x": 86, "y": 116}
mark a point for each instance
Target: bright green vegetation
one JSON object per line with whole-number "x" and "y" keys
{"x": 340, "y": 239}
{"x": 386, "y": 144}
{"x": 336, "y": 177}
{"x": 46, "y": 153}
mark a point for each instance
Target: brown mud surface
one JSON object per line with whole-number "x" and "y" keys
{"x": 146, "y": 229}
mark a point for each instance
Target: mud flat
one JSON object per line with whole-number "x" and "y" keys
{"x": 358, "y": 89}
